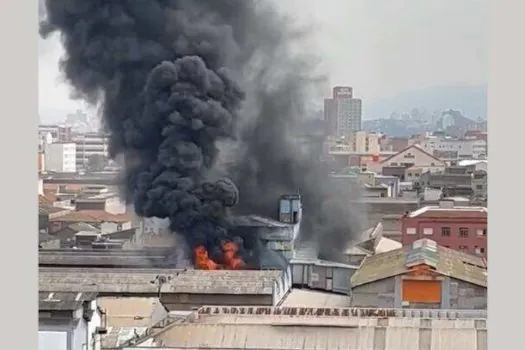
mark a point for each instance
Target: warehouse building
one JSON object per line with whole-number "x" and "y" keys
{"x": 177, "y": 289}
{"x": 423, "y": 275}
{"x": 222, "y": 328}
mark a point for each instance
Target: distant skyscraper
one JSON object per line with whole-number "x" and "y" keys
{"x": 342, "y": 112}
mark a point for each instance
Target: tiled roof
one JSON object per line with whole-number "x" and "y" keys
{"x": 82, "y": 226}
{"x": 63, "y": 301}
{"x": 46, "y": 199}
{"x": 445, "y": 261}
{"x": 93, "y": 216}
{"x": 46, "y": 209}
{"x": 253, "y": 282}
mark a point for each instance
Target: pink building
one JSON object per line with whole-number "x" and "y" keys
{"x": 460, "y": 228}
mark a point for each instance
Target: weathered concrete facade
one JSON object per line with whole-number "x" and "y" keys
{"x": 380, "y": 294}
{"x": 387, "y": 293}
{"x": 464, "y": 295}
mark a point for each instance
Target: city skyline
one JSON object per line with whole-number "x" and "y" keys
{"x": 381, "y": 49}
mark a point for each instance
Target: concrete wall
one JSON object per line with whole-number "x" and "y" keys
{"x": 52, "y": 340}
{"x": 75, "y": 333}
{"x": 380, "y": 294}
{"x": 386, "y": 293}
{"x": 464, "y": 295}
{"x": 109, "y": 227}
{"x": 282, "y": 286}
{"x": 81, "y": 336}
{"x": 158, "y": 314}
{"x": 96, "y": 321}
{"x": 190, "y": 301}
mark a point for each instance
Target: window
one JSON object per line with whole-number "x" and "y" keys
{"x": 479, "y": 187}
{"x": 463, "y": 232}
{"x": 411, "y": 231}
{"x": 447, "y": 246}
{"x": 480, "y": 250}
{"x": 416, "y": 174}
{"x": 393, "y": 164}
{"x": 445, "y": 231}
{"x": 409, "y": 174}
{"x": 428, "y": 231}
{"x": 432, "y": 164}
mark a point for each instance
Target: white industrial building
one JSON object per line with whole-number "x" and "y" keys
{"x": 60, "y": 157}
{"x": 90, "y": 144}
{"x": 69, "y": 321}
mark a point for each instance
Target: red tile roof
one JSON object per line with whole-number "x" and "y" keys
{"x": 93, "y": 216}
{"x": 44, "y": 200}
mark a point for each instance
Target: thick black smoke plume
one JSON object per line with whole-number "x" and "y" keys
{"x": 180, "y": 79}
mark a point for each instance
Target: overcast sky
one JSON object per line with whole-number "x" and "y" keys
{"x": 380, "y": 47}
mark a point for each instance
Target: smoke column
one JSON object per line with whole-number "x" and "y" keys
{"x": 179, "y": 81}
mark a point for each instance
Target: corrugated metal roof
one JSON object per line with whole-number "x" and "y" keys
{"x": 261, "y": 332}
{"x": 223, "y": 282}
{"x": 116, "y": 336}
{"x": 110, "y": 281}
{"x": 177, "y": 281}
{"x": 466, "y": 267}
{"x": 310, "y": 298}
{"x": 63, "y": 301}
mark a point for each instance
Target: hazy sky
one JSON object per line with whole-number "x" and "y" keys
{"x": 380, "y": 47}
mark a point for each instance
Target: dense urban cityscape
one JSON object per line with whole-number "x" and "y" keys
{"x": 419, "y": 268}
{"x": 262, "y": 175}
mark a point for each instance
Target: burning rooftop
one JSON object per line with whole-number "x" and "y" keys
{"x": 258, "y": 242}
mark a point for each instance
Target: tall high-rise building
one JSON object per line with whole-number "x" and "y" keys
{"x": 342, "y": 112}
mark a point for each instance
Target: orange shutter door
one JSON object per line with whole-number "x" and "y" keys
{"x": 420, "y": 291}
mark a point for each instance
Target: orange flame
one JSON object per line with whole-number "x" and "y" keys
{"x": 202, "y": 261}
{"x": 232, "y": 261}
{"x": 230, "y": 258}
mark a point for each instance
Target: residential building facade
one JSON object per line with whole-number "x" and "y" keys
{"x": 462, "y": 148}
{"x": 60, "y": 157}
{"x": 412, "y": 156}
{"x": 364, "y": 142}
{"x": 90, "y": 144}
{"x": 453, "y": 181}
{"x": 58, "y": 133}
{"x": 460, "y": 228}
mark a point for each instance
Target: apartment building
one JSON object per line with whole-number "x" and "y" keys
{"x": 90, "y": 144}
{"x": 60, "y": 157}
{"x": 455, "y": 227}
